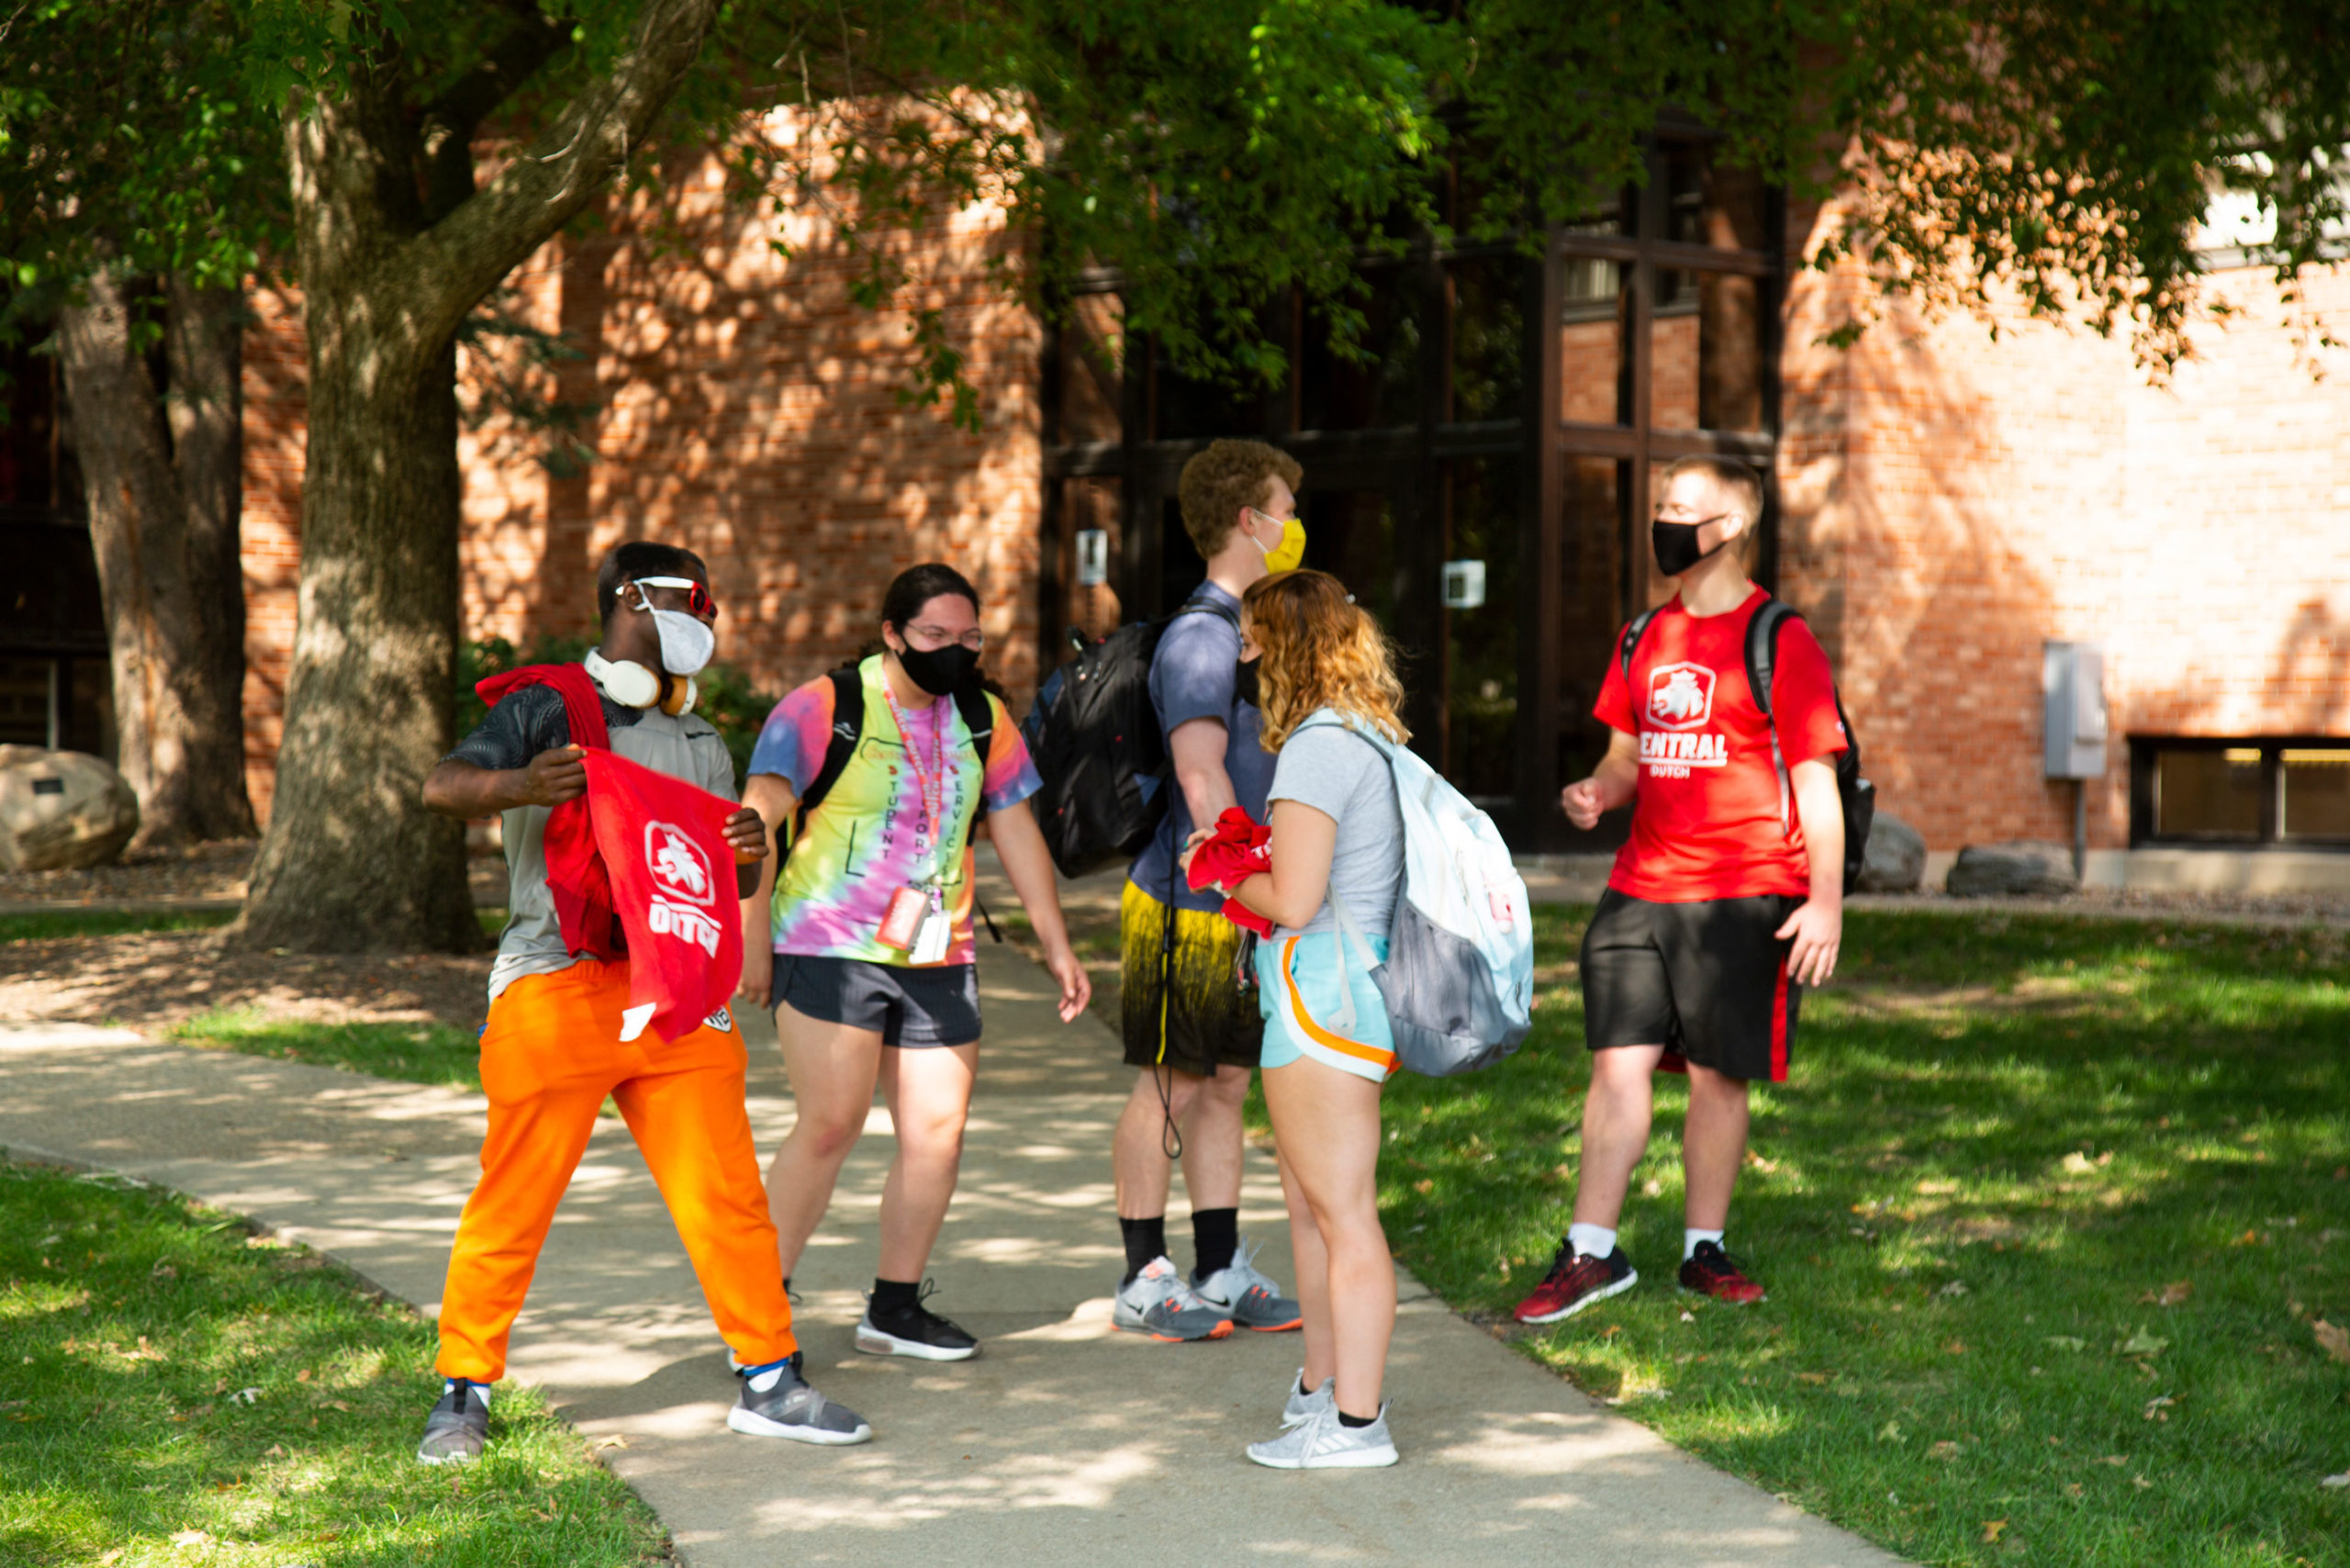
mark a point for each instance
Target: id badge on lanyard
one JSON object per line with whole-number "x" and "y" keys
{"x": 916, "y": 923}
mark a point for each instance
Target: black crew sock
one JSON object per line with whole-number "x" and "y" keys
{"x": 1357, "y": 1422}
{"x": 895, "y": 1298}
{"x": 1216, "y": 1235}
{"x": 1146, "y": 1240}
{"x": 1304, "y": 1392}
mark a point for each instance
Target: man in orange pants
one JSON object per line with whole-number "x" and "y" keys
{"x": 554, "y": 1048}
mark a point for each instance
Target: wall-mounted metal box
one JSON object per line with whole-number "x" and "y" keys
{"x": 2072, "y": 680}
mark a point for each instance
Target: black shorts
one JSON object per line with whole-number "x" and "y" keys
{"x": 1208, "y": 1018}
{"x": 912, "y": 1008}
{"x": 1707, "y": 980}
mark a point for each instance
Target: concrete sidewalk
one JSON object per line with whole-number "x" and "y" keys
{"x": 1063, "y": 1442}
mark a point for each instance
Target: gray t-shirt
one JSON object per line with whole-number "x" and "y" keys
{"x": 1192, "y": 677}
{"x": 1346, "y": 779}
{"x": 530, "y": 721}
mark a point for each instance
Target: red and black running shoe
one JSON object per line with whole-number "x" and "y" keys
{"x": 1574, "y": 1281}
{"x": 1714, "y": 1272}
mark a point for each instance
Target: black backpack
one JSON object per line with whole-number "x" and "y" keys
{"x": 1094, "y": 738}
{"x": 1855, "y": 793}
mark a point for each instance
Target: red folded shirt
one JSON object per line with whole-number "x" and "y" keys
{"x": 1240, "y": 849}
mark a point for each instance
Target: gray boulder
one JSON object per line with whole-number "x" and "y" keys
{"x": 62, "y": 810}
{"x": 1895, "y": 861}
{"x": 2025, "y": 869}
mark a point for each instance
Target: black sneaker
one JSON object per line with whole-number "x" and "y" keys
{"x": 914, "y": 1331}
{"x": 1714, "y": 1272}
{"x": 1574, "y": 1281}
{"x": 778, "y": 1403}
{"x": 458, "y": 1428}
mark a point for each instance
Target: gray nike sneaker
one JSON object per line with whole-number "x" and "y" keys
{"x": 458, "y": 1426}
{"x": 1157, "y": 1302}
{"x": 1253, "y": 1300}
{"x": 1321, "y": 1441}
{"x": 778, "y": 1403}
{"x": 1304, "y": 1406}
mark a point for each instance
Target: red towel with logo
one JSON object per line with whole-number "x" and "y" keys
{"x": 1241, "y": 848}
{"x": 575, "y": 876}
{"x": 664, "y": 845}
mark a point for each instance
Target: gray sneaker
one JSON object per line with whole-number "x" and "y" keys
{"x": 458, "y": 1426}
{"x": 778, "y": 1402}
{"x": 1321, "y": 1441}
{"x": 1303, "y": 1406}
{"x": 1254, "y": 1301}
{"x": 1157, "y": 1302}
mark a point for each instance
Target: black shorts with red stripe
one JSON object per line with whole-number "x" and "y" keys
{"x": 1707, "y": 980}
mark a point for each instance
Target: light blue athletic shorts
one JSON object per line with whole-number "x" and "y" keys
{"x": 1297, "y": 989}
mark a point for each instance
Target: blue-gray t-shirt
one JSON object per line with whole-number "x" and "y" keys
{"x": 1191, "y": 677}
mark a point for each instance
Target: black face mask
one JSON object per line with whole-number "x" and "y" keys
{"x": 941, "y": 671}
{"x": 1675, "y": 545}
{"x": 1244, "y": 682}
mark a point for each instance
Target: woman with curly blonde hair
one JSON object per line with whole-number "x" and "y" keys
{"x": 1325, "y": 673}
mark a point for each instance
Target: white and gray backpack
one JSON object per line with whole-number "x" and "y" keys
{"x": 1459, "y": 980}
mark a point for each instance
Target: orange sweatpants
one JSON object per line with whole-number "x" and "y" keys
{"x": 549, "y": 1056}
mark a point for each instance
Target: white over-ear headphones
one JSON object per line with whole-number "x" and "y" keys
{"x": 631, "y": 684}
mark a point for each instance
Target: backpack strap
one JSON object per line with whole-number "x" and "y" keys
{"x": 1762, "y": 665}
{"x": 1634, "y": 630}
{"x": 848, "y": 723}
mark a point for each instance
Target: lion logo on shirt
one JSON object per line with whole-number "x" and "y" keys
{"x": 679, "y": 867}
{"x": 1680, "y": 696}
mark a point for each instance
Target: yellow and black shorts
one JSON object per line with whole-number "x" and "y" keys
{"x": 1188, "y": 1010}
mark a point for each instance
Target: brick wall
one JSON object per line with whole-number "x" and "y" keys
{"x": 746, "y": 407}
{"x": 1951, "y": 500}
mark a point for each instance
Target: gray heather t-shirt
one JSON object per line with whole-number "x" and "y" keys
{"x": 1192, "y": 677}
{"x": 1344, "y": 776}
{"x": 530, "y": 721}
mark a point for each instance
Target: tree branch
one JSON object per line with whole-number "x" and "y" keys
{"x": 449, "y": 123}
{"x": 462, "y": 257}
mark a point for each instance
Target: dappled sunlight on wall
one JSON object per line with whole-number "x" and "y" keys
{"x": 1951, "y": 500}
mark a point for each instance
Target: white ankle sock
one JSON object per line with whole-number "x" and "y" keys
{"x": 1689, "y": 1239}
{"x": 1592, "y": 1240}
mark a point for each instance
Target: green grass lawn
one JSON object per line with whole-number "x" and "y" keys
{"x": 2049, "y": 1212}
{"x": 415, "y": 1052}
{"x": 177, "y": 1391}
{"x": 48, "y": 925}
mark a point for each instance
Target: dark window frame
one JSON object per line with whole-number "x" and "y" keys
{"x": 2145, "y": 751}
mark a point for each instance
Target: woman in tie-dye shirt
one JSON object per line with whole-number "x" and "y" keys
{"x": 864, "y": 950}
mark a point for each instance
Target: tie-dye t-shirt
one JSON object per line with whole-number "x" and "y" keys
{"x": 868, "y": 837}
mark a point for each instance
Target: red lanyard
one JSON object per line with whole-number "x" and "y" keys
{"x": 930, "y": 782}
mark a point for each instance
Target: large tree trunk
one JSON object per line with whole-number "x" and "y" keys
{"x": 164, "y": 524}
{"x": 396, "y": 247}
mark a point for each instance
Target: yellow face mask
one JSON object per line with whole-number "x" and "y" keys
{"x": 1290, "y": 554}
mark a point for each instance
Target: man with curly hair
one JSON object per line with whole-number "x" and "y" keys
{"x": 1191, "y": 1030}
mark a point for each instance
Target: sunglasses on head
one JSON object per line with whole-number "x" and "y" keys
{"x": 698, "y": 598}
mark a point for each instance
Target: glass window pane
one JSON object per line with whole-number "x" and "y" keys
{"x": 1183, "y": 409}
{"x": 1488, "y": 337}
{"x": 1089, "y": 370}
{"x": 1380, "y": 388}
{"x": 1592, "y": 609}
{"x": 1481, "y": 651}
{"x": 1594, "y": 385}
{"x": 1351, "y": 535}
{"x": 1710, "y": 205}
{"x": 2316, "y": 794}
{"x": 2207, "y": 794}
{"x": 1709, "y": 344}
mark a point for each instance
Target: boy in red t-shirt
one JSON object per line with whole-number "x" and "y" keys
{"x": 1728, "y": 899}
